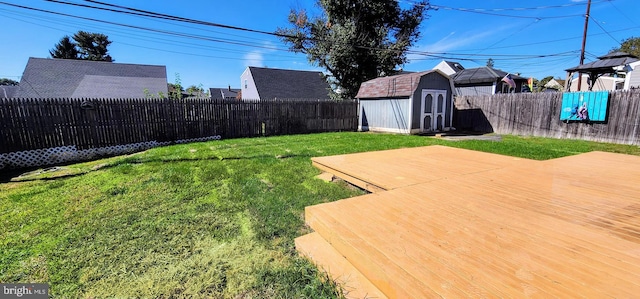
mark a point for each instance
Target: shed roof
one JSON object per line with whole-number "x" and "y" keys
{"x": 392, "y": 86}
{"x": 67, "y": 78}
{"x": 606, "y": 63}
{"x": 483, "y": 74}
{"x": 289, "y": 84}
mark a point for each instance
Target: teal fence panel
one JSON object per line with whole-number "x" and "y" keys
{"x": 585, "y": 106}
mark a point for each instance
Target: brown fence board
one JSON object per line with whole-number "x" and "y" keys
{"x": 538, "y": 114}
{"x": 30, "y": 124}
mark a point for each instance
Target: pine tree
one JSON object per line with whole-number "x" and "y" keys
{"x": 64, "y": 49}
{"x": 85, "y": 46}
{"x": 92, "y": 46}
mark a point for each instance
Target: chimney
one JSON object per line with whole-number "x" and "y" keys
{"x": 229, "y": 87}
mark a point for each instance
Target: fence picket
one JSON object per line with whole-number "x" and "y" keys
{"x": 539, "y": 115}
{"x": 86, "y": 124}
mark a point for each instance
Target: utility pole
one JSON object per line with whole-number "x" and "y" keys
{"x": 584, "y": 42}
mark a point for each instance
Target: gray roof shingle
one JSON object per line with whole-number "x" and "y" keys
{"x": 223, "y": 93}
{"x": 289, "y": 84}
{"x": 66, "y": 78}
{"x": 392, "y": 86}
{"x": 8, "y": 91}
{"x": 606, "y": 63}
{"x": 483, "y": 74}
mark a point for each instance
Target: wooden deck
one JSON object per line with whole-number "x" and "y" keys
{"x": 391, "y": 169}
{"x": 463, "y": 224}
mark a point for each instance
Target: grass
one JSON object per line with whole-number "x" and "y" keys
{"x": 203, "y": 220}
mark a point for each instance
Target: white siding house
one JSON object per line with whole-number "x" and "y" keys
{"x": 449, "y": 68}
{"x": 248, "y": 86}
{"x": 602, "y": 83}
{"x": 633, "y": 76}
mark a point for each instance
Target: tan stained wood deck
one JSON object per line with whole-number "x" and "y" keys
{"x": 486, "y": 226}
{"x": 391, "y": 169}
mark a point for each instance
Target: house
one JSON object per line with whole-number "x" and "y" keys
{"x": 8, "y": 91}
{"x": 602, "y": 83}
{"x": 67, "y": 78}
{"x": 408, "y": 103}
{"x": 606, "y": 66}
{"x": 485, "y": 81}
{"x": 632, "y": 79}
{"x": 555, "y": 84}
{"x": 224, "y": 93}
{"x": 449, "y": 67}
{"x": 258, "y": 83}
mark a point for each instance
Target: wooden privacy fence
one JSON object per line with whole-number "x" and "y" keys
{"x": 37, "y": 132}
{"x": 538, "y": 114}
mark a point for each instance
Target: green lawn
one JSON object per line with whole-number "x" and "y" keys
{"x": 202, "y": 220}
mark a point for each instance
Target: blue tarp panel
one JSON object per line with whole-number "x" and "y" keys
{"x": 585, "y": 106}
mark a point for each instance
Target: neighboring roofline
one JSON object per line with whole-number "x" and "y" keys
{"x": 278, "y": 69}
{"x": 288, "y": 83}
{"x": 618, "y": 54}
{"x": 495, "y": 77}
{"x": 94, "y": 61}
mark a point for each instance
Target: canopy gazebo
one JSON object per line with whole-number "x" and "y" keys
{"x": 606, "y": 64}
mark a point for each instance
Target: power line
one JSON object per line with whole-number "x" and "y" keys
{"x": 605, "y": 31}
{"x": 186, "y": 35}
{"x": 505, "y": 56}
{"x": 139, "y": 37}
{"x": 493, "y": 12}
{"x": 140, "y": 12}
{"x": 622, "y": 13}
{"x": 162, "y": 16}
{"x": 530, "y": 8}
{"x": 512, "y": 34}
{"x": 179, "y": 19}
{"x": 555, "y": 40}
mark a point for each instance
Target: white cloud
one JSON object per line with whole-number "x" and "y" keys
{"x": 466, "y": 40}
{"x": 254, "y": 58}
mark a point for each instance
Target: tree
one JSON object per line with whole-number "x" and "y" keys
{"x": 175, "y": 89}
{"x": 197, "y": 91}
{"x": 64, "y": 49}
{"x": 93, "y": 46}
{"x": 5, "y": 82}
{"x": 490, "y": 62}
{"x": 630, "y": 45}
{"x": 355, "y": 40}
{"x": 85, "y": 46}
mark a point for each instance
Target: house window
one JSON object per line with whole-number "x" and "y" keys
{"x": 245, "y": 83}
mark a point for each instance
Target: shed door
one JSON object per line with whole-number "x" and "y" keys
{"x": 433, "y": 109}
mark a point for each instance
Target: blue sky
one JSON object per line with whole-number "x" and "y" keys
{"x": 533, "y": 38}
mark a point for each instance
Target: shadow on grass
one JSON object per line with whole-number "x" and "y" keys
{"x": 59, "y": 172}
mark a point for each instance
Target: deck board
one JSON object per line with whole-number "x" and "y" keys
{"x": 493, "y": 227}
{"x": 393, "y": 169}
{"x": 353, "y": 283}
